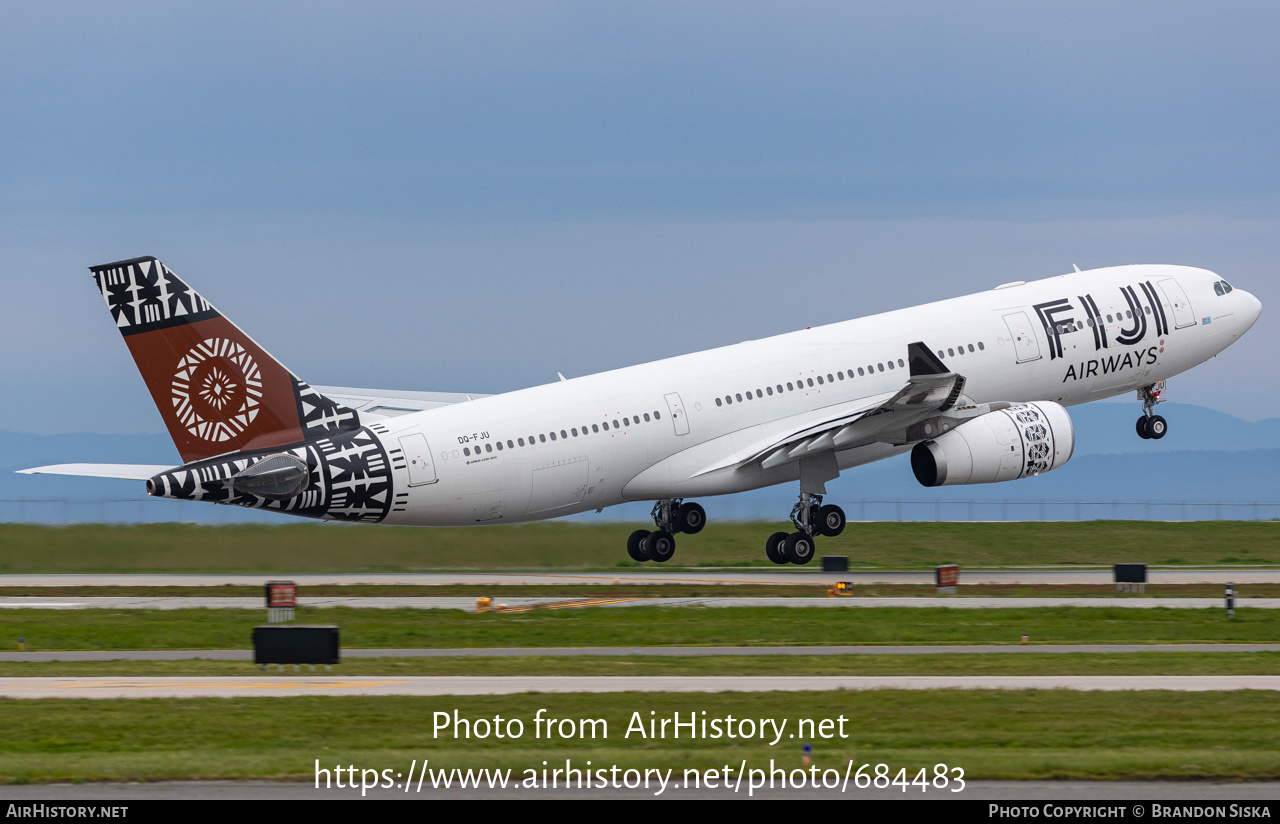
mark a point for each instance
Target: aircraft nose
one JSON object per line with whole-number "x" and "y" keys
{"x": 1253, "y": 307}
{"x": 1246, "y": 309}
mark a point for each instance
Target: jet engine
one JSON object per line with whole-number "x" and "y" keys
{"x": 1025, "y": 439}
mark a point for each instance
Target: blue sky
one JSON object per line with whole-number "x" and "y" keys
{"x": 471, "y": 196}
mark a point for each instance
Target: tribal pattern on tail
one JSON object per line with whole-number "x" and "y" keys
{"x": 350, "y": 479}
{"x": 143, "y": 295}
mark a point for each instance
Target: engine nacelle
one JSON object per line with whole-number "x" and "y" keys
{"x": 1025, "y": 439}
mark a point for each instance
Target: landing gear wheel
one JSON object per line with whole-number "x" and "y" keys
{"x": 635, "y": 545}
{"x": 798, "y": 548}
{"x": 1157, "y": 427}
{"x": 660, "y": 546}
{"x": 690, "y": 518}
{"x": 831, "y": 520}
{"x": 1144, "y": 427}
{"x": 773, "y": 548}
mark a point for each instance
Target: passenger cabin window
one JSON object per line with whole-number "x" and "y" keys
{"x": 980, "y": 346}
{"x": 542, "y": 438}
{"x": 615, "y": 423}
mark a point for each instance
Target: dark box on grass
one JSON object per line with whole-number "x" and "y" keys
{"x": 295, "y": 644}
{"x": 1131, "y": 573}
{"x": 835, "y": 563}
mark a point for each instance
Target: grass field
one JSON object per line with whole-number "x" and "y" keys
{"x": 817, "y": 589}
{"x": 640, "y": 626}
{"x": 999, "y": 734}
{"x": 1145, "y": 663}
{"x": 310, "y": 547}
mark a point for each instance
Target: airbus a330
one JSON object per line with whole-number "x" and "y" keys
{"x": 975, "y": 387}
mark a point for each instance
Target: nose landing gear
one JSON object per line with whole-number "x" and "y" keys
{"x": 1151, "y": 426}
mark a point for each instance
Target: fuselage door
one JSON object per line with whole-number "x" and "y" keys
{"x": 678, "y": 419}
{"x": 1182, "y": 314}
{"x": 1024, "y": 339}
{"x": 417, "y": 455}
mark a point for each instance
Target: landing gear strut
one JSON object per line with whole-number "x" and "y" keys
{"x": 810, "y": 519}
{"x": 672, "y": 516}
{"x": 1150, "y": 425}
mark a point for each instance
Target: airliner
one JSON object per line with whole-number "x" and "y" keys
{"x": 976, "y": 388}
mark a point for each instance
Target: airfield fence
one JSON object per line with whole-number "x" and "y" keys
{"x": 152, "y": 510}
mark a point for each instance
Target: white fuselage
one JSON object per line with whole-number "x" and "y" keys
{"x": 656, "y": 430}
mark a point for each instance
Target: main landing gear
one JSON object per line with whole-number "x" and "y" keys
{"x": 1151, "y": 426}
{"x": 671, "y": 516}
{"x": 811, "y": 519}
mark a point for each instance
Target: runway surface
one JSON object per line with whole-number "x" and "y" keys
{"x": 785, "y": 575}
{"x": 649, "y": 652}
{"x": 244, "y": 687}
{"x": 1073, "y": 791}
{"x": 522, "y": 604}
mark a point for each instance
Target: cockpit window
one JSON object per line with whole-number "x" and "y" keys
{"x": 1226, "y": 287}
{"x": 1217, "y": 288}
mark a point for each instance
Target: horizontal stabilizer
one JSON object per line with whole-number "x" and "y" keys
{"x": 124, "y": 472}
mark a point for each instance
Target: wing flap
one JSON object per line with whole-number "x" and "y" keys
{"x": 931, "y": 389}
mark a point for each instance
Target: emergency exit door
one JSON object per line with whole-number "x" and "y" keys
{"x": 678, "y": 418}
{"x": 417, "y": 456}
{"x": 1024, "y": 337}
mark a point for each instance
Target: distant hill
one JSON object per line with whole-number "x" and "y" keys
{"x": 1208, "y": 456}
{"x": 1108, "y": 429}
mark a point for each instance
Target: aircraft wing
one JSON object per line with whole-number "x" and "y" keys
{"x": 126, "y": 472}
{"x": 931, "y": 391}
{"x": 383, "y": 403}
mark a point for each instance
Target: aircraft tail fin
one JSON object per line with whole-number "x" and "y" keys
{"x": 217, "y": 390}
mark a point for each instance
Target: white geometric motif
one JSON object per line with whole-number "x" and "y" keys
{"x": 217, "y": 390}
{"x": 1036, "y": 436}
